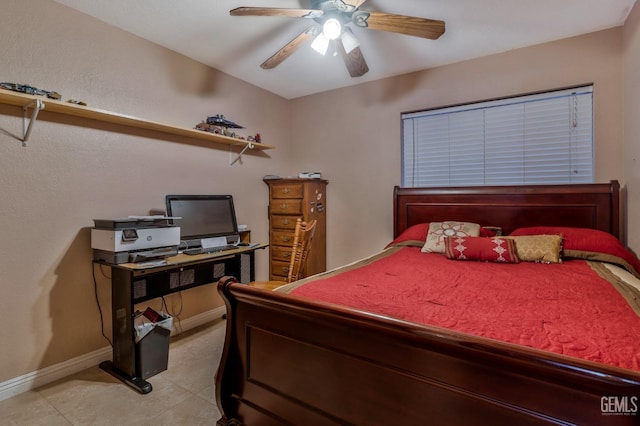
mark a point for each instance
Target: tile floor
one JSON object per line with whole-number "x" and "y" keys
{"x": 181, "y": 395}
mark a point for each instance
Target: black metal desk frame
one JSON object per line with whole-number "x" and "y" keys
{"x": 132, "y": 284}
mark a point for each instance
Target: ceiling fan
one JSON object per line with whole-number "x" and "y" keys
{"x": 331, "y": 19}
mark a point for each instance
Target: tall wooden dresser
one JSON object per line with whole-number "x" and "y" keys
{"x": 288, "y": 200}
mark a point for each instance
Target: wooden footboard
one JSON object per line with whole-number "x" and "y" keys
{"x": 291, "y": 361}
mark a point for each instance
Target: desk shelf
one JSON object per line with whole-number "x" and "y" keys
{"x": 26, "y": 101}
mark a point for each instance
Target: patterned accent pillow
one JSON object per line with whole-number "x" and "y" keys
{"x": 417, "y": 233}
{"x": 439, "y": 230}
{"x": 590, "y": 244}
{"x": 538, "y": 248}
{"x": 492, "y": 249}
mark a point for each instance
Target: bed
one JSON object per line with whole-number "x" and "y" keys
{"x": 290, "y": 359}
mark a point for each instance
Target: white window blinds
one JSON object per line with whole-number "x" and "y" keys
{"x": 535, "y": 139}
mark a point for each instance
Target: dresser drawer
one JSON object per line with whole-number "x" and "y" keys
{"x": 273, "y": 277}
{"x": 280, "y": 270}
{"x": 286, "y": 206}
{"x": 283, "y": 222}
{"x": 281, "y": 238}
{"x": 287, "y": 190}
{"x": 282, "y": 253}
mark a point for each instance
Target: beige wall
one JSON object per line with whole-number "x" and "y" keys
{"x": 70, "y": 174}
{"x": 631, "y": 70}
{"x": 353, "y": 135}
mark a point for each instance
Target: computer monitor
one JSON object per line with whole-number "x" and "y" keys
{"x": 203, "y": 216}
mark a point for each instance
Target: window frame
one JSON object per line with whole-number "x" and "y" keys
{"x": 585, "y": 174}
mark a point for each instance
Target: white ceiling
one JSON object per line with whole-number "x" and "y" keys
{"x": 204, "y": 30}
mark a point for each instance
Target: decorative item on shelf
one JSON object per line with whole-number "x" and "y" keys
{"x": 310, "y": 175}
{"x": 219, "y": 125}
{"x": 74, "y": 101}
{"x": 30, "y": 90}
{"x": 219, "y": 120}
{"x": 256, "y": 138}
{"x": 271, "y": 177}
{"x": 209, "y": 128}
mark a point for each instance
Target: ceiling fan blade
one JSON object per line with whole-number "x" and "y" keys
{"x": 274, "y": 11}
{"x": 289, "y": 48}
{"x": 409, "y": 25}
{"x": 356, "y": 65}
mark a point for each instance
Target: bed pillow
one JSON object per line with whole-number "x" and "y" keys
{"x": 590, "y": 244}
{"x": 439, "y": 230}
{"x": 418, "y": 233}
{"x": 413, "y": 233}
{"x": 492, "y": 249}
{"x": 490, "y": 231}
{"x": 546, "y": 248}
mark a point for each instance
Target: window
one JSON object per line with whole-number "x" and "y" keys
{"x": 545, "y": 138}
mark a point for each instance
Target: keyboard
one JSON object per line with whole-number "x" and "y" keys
{"x": 202, "y": 250}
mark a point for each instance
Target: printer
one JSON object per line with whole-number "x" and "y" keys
{"x": 134, "y": 239}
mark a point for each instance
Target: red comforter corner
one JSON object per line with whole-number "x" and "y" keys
{"x": 564, "y": 308}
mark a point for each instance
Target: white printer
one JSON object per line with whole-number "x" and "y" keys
{"x": 134, "y": 239}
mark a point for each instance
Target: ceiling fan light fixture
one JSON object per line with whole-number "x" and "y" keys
{"x": 320, "y": 44}
{"x": 349, "y": 41}
{"x": 332, "y": 28}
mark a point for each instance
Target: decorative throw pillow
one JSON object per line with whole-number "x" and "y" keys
{"x": 538, "y": 248}
{"x": 439, "y": 230}
{"x": 590, "y": 244}
{"x": 492, "y": 249}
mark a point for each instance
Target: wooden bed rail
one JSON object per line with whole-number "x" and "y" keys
{"x": 293, "y": 361}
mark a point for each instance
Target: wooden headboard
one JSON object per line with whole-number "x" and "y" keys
{"x": 594, "y": 206}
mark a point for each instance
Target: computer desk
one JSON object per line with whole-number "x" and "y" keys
{"x": 133, "y": 283}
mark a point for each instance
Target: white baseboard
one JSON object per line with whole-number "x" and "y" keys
{"x": 52, "y": 373}
{"x": 200, "y": 319}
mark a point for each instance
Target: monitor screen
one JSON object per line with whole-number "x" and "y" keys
{"x": 203, "y": 216}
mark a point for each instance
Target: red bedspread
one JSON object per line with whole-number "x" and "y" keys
{"x": 565, "y": 308}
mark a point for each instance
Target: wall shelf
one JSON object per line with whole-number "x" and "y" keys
{"x": 26, "y": 101}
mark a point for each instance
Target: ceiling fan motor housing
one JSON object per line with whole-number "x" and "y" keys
{"x": 327, "y": 5}
{"x": 331, "y": 10}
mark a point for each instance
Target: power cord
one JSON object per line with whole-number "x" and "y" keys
{"x": 95, "y": 292}
{"x": 173, "y": 312}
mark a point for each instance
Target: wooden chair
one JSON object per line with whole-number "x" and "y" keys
{"x": 299, "y": 252}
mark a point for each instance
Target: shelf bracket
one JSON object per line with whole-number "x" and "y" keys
{"x": 248, "y": 146}
{"x": 37, "y": 105}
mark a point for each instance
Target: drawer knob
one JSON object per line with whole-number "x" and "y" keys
{"x": 284, "y": 206}
{"x": 286, "y": 239}
{"x": 286, "y": 190}
{"x": 285, "y": 269}
{"x": 285, "y": 221}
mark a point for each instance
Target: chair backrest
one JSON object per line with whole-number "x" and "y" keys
{"x": 300, "y": 250}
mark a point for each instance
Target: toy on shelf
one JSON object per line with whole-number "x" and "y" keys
{"x": 30, "y": 90}
{"x": 219, "y": 125}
